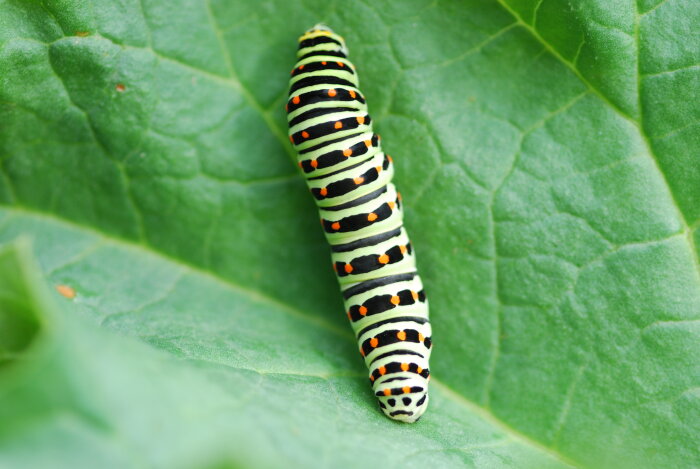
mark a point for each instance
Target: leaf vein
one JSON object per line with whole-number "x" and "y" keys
{"x": 255, "y": 295}
{"x": 637, "y": 123}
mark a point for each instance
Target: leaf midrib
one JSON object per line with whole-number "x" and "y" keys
{"x": 258, "y": 296}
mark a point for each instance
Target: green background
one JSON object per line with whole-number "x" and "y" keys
{"x": 548, "y": 155}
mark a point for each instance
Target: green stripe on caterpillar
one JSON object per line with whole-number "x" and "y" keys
{"x": 349, "y": 176}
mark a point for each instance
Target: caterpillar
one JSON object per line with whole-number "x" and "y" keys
{"x": 349, "y": 177}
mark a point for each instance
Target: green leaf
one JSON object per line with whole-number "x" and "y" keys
{"x": 547, "y": 155}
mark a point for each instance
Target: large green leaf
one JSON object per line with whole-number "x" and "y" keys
{"x": 547, "y": 153}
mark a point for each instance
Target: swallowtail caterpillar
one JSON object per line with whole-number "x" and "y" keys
{"x": 349, "y": 176}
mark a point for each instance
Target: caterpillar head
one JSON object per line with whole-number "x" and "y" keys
{"x": 404, "y": 401}
{"x": 321, "y": 30}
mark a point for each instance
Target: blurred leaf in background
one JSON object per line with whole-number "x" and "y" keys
{"x": 547, "y": 152}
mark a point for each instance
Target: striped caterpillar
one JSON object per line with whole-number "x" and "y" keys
{"x": 349, "y": 176}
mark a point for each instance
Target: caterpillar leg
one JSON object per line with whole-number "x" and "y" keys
{"x": 350, "y": 176}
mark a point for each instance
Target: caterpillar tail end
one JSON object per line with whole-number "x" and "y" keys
{"x": 320, "y": 29}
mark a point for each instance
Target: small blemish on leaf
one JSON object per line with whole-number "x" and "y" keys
{"x": 66, "y": 291}
{"x": 82, "y": 33}
{"x": 120, "y": 87}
